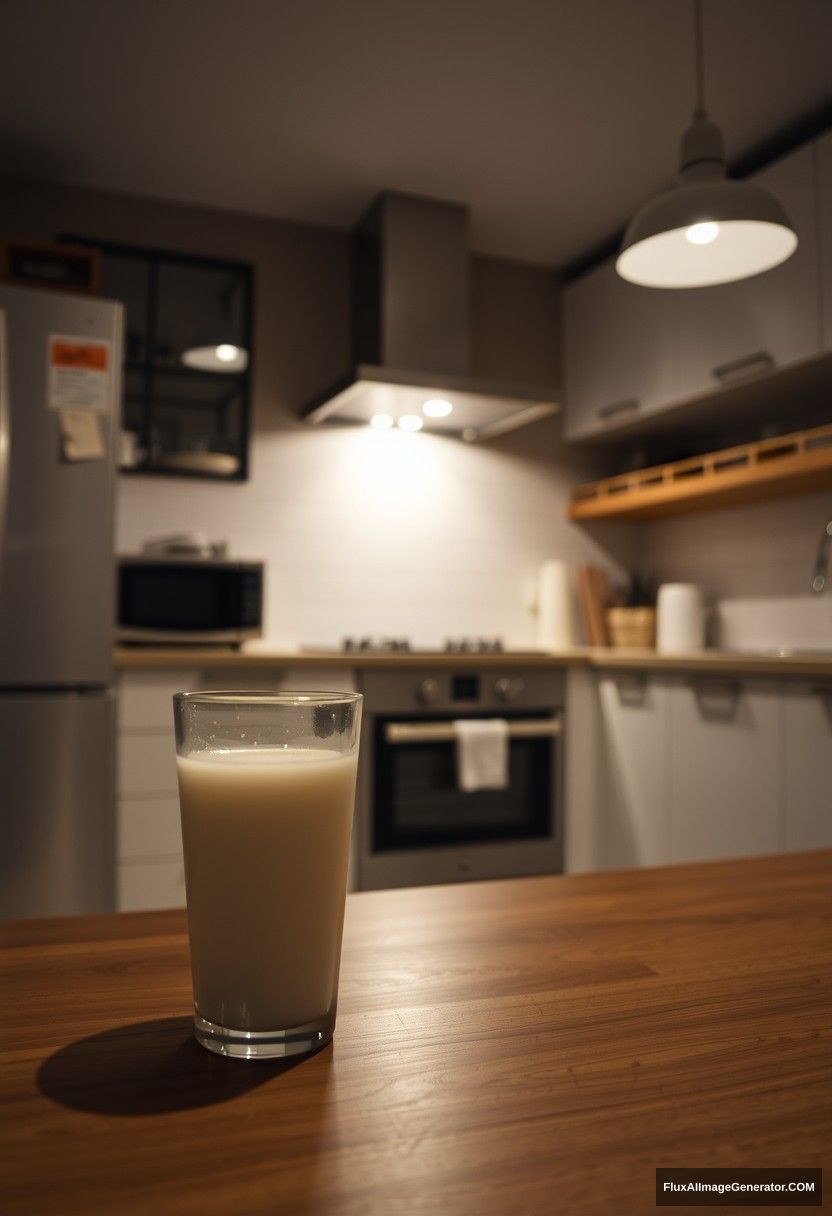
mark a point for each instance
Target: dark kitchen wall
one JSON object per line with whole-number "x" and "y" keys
{"x": 301, "y": 341}
{"x": 362, "y": 533}
{"x": 301, "y": 273}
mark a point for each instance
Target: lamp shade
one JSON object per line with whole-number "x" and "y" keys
{"x": 703, "y": 233}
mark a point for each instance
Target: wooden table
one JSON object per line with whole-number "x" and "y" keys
{"x": 532, "y": 1046}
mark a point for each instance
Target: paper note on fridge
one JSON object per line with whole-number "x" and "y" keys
{"x": 79, "y": 373}
{"x": 81, "y": 436}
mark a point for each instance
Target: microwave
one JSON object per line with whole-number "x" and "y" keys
{"x": 189, "y": 599}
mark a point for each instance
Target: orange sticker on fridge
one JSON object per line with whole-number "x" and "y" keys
{"x": 93, "y": 356}
{"x": 79, "y": 373}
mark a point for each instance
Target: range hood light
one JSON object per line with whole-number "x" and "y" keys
{"x": 410, "y": 422}
{"x": 437, "y": 407}
{"x": 381, "y": 422}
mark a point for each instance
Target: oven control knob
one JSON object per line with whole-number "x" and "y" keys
{"x": 507, "y": 689}
{"x": 427, "y": 692}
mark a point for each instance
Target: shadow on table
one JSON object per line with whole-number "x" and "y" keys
{"x": 149, "y": 1068}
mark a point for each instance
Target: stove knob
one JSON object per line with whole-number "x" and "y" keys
{"x": 506, "y": 689}
{"x": 427, "y": 693}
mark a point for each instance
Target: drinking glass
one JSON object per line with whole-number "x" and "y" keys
{"x": 266, "y": 792}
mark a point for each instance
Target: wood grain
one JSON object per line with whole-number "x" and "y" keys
{"x": 797, "y": 463}
{"x": 529, "y": 1046}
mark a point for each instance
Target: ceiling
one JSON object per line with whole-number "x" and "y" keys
{"x": 553, "y": 119}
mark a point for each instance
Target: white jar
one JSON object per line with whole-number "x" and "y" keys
{"x": 680, "y": 619}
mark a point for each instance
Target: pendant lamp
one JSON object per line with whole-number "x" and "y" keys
{"x": 708, "y": 229}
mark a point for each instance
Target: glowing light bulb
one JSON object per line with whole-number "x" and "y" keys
{"x": 381, "y": 422}
{"x": 410, "y": 422}
{"x": 437, "y": 407}
{"x": 703, "y": 233}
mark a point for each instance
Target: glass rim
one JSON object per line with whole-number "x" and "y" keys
{"x": 266, "y": 696}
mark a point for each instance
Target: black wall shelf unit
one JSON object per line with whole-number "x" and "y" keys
{"x": 181, "y": 421}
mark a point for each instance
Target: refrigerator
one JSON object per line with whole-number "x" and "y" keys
{"x": 60, "y": 382}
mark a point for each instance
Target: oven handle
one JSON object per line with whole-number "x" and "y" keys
{"x": 443, "y": 732}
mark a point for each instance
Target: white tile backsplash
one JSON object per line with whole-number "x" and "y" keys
{"x": 764, "y": 552}
{"x": 387, "y": 533}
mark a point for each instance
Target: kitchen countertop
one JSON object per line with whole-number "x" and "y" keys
{"x": 523, "y": 1046}
{"x": 260, "y": 656}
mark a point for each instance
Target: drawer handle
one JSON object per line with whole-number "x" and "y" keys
{"x": 618, "y": 407}
{"x": 740, "y": 369}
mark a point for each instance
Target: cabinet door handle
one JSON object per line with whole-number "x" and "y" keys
{"x": 717, "y": 699}
{"x": 739, "y": 369}
{"x": 631, "y": 688}
{"x": 618, "y": 407}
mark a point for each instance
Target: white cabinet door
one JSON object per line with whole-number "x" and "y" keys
{"x": 725, "y": 768}
{"x": 145, "y": 698}
{"x": 620, "y": 351}
{"x": 147, "y": 763}
{"x": 823, "y": 161}
{"x": 633, "y": 806}
{"x": 738, "y": 329}
{"x": 149, "y": 828}
{"x": 807, "y": 728}
{"x": 142, "y": 885}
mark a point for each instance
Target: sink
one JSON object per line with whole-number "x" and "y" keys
{"x": 775, "y": 626}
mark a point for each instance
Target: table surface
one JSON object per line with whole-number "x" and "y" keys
{"x": 530, "y": 1046}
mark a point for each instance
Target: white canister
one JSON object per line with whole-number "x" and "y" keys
{"x": 680, "y": 619}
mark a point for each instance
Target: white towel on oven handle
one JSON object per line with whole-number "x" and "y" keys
{"x": 481, "y": 754}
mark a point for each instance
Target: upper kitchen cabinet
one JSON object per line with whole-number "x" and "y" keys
{"x": 620, "y": 351}
{"x": 738, "y": 330}
{"x": 644, "y": 360}
{"x": 823, "y": 153}
{"x": 187, "y": 369}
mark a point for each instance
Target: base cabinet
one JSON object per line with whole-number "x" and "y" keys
{"x": 632, "y": 823}
{"x": 150, "y": 871}
{"x": 807, "y": 764}
{"x": 695, "y": 769}
{"x": 725, "y": 769}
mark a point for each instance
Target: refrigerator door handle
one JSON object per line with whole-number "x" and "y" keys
{"x": 5, "y": 436}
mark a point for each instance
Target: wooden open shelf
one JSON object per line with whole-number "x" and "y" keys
{"x": 770, "y": 468}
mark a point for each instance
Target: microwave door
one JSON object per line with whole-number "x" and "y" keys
{"x": 189, "y": 601}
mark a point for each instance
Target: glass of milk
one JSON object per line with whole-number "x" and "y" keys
{"x": 266, "y": 791}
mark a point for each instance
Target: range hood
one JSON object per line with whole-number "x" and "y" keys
{"x": 410, "y": 330}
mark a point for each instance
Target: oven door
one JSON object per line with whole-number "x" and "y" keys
{"x": 420, "y": 827}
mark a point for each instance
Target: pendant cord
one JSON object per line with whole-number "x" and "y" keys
{"x": 700, "y": 111}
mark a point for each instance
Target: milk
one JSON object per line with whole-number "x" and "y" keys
{"x": 266, "y": 834}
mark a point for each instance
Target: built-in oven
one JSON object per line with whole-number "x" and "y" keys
{"x": 415, "y": 825}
